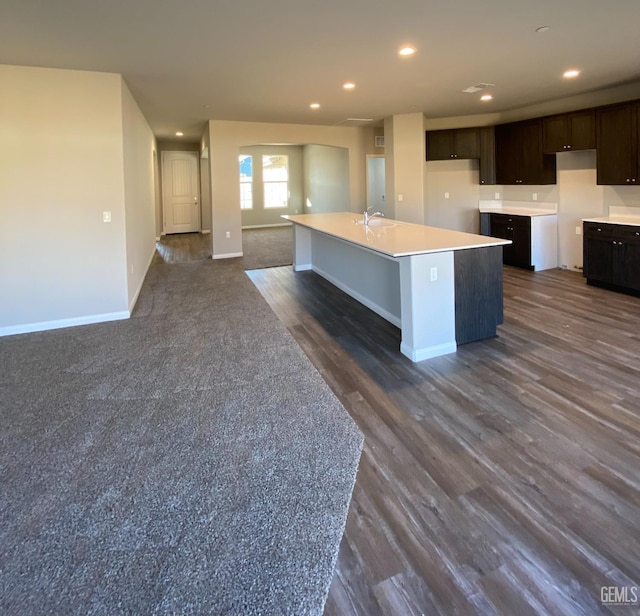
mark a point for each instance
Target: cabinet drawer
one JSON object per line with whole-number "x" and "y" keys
{"x": 599, "y": 229}
{"x": 511, "y": 219}
{"x": 628, "y": 233}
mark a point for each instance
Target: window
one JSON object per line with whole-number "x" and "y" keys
{"x": 246, "y": 179}
{"x": 275, "y": 177}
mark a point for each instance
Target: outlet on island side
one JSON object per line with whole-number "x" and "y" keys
{"x": 228, "y": 234}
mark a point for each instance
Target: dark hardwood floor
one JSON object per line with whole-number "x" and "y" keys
{"x": 181, "y": 247}
{"x": 502, "y": 479}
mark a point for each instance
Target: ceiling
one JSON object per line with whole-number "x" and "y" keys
{"x": 189, "y": 61}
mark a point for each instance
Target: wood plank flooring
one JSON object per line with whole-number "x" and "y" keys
{"x": 181, "y": 247}
{"x": 503, "y": 479}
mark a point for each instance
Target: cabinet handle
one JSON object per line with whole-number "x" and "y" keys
{"x": 599, "y": 230}
{"x": 568, "y": 147}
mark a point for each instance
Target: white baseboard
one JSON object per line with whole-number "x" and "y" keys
{"x": 26, "y": 328}
{"x": 428, "y": 352}
{"x": 276, "y": 224}
{"x": 228, "y": 255}
{"x": 132, "y": 303}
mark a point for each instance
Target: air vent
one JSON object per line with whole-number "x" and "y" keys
{"x": 379, "y": 141}
{"x": 478, "y": 87}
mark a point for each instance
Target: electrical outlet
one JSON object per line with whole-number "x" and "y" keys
{"x": 400, "y": 197}
{"x": 106, "y": 216}
{"x": 534, "y": 196}
{"x": 228, "y": 234}
{"x": 578, "y": 230}
{"x": 434, "y": 274}
{"x": 446, "y": 195}
{"x": 496, "y": 195}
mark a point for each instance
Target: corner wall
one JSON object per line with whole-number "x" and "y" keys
{"x": 225, "y": 140}
{"x": 61, "y": 167}
{"x": 139, "y": 194}
{"x": 326, "y": 179}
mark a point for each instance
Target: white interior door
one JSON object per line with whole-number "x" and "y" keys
{"x": 180, "y": 194}
{"x": 375, "y": 183}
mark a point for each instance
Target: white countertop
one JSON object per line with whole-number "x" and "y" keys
{"x": 619, "y": 215}
{"x": 517, "y": 208}
{"x": 616, "y": 220}
{"x": 395, "y": 238}
{"x": 517, "y": 211}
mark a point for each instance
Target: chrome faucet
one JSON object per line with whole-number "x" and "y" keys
{"x": 366, "y": 218}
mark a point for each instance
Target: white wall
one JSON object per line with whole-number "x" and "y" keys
{"x": 405, "y": 174}
{"x": 61, "y": 167}
{"x": 326, "y": 179}
{"x": 226, "y": 139}
{"x": 139, "y": 194}
{"x": 460, "y": 179}
{"x": 259, "y": 215}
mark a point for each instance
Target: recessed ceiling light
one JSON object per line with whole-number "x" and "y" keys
{"x": 349, "y": 85}
{"x": 571, "y": 73}
{"x": 314, "y": 105}
{"x": 407, "y": 50}
{"x": 486, "y": 97}
{"x": 542, "y": 29}
{"x": 179, "y": 134}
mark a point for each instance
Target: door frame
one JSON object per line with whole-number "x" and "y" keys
{"x": 196, "y": 154}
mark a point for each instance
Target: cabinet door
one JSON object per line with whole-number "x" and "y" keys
{"x": 530, "y": 140}
{"x": 519, "y": 157}
{"x": 439, "y": 144}
{"x": 487, "y": 166}
{"x": 508, "y": 154}
{"x": 626, "y": 264}
{"x": 500, "y": 227}
{"x": 521, "y": 235}
{"x": 569, "y": 131}
{"x": 555, "y": 131}
{"x": 617, "y": 143}
{"x": 598, "y": 252}
{"x": 467, "y": 143}
{"x": 582, "y": 129}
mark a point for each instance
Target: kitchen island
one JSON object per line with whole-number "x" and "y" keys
{"x": 442, "y": 288}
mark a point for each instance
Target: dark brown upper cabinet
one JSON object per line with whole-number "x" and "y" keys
{"x": 569, "y": 131}
{"x": 460, "y": 143}
{"x": 487, "y": 167}
{"x": 454, "y": 143}
{"x": 617, "y": 138}
{"x": 519, "y": 155}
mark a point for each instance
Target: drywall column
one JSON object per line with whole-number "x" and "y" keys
{"x": 405, "y": 166}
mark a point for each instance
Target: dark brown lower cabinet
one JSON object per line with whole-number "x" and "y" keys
{"x": 612, "y": 255}
{"x": 518, "y": 230}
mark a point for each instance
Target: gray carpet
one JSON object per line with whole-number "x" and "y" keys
{"x": 267, "y": 247}
{"x": 189, "y": 460}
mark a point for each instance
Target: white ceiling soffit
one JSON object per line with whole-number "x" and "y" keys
{"x": 188, "y": 62}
